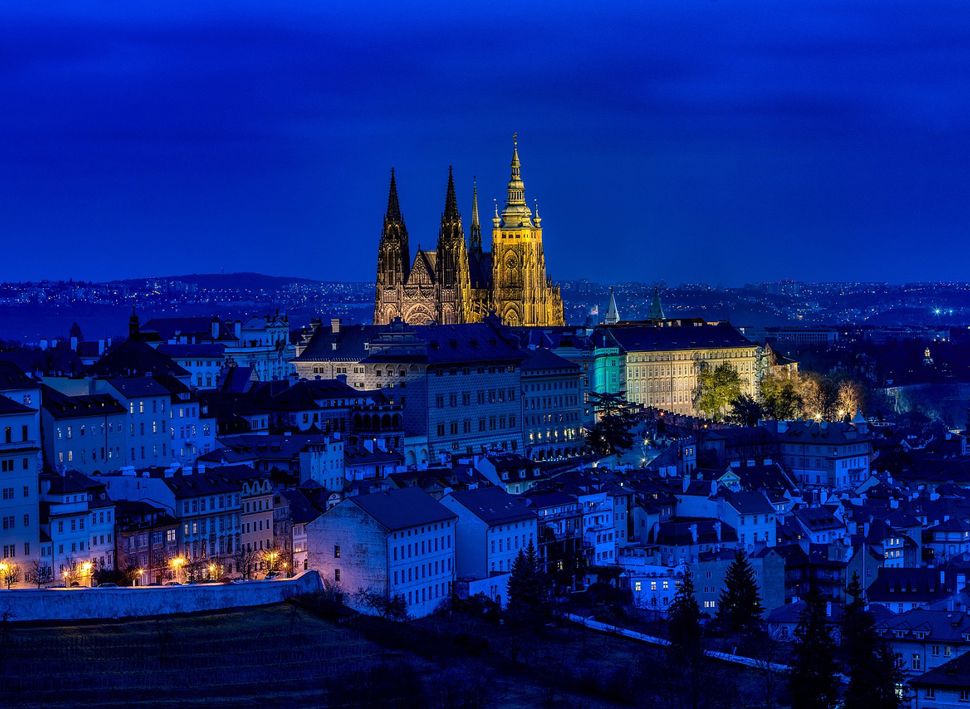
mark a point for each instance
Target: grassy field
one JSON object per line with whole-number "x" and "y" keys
{"x": 287, "y": 656}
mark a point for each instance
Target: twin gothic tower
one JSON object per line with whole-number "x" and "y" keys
{"x": 459, "y": 283}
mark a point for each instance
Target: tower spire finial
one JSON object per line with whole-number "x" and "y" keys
{"x": 516, "y": 211}
{"x": 475, "y": 237}
{"x": 393, "y": 206}
{"x": 451, "y": 201}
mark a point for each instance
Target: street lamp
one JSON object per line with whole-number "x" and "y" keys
{"x": 271, "y": 557}
{"x": 177, "y": 563}
{"x": 86, "y": 571}
{"x": 139, "y": 574}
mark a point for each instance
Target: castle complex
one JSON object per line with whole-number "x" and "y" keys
{"x": 459, "y": 283}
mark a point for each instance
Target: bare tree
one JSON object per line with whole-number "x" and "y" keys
{"x": 245, "y": 560}
{"x": 394, "y": 608}
{"x": 40, "y": 574}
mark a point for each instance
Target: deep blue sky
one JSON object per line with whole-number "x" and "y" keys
{"x": 725, "y": 141}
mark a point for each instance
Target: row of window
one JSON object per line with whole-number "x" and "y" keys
{"x": 422, "y": 571}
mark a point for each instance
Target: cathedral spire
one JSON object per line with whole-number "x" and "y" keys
{"x": 451, "y": 201}
{"x": 516, "y": 189}
{"x": 475, "y": 237}
{"x": 393, "y": 206}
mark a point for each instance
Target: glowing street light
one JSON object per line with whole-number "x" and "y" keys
{"x": 177, "y": 563}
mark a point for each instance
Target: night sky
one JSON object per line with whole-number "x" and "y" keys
{"x": 722, "y": 141}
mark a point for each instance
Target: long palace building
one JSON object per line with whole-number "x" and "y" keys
{"x": 463, "y": 283}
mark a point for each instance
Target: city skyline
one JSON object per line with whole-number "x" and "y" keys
{"x": 809, "y": 135}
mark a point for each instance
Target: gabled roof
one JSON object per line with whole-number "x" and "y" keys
{"x": 402, "y": 508}
{"x": 817, "y": 519}
{"x": 350, "y": 343}
{"x": 132, "y": 387}
{"x": 61, "y": 406}
{"x": 748, "y": 502}
{"x": 133, "y": 357}
{"x": 543, "y": 359}
{"x": 955, "y": 674}
{"x": 72, "y": 481}
{"x": 9, "y": 406}
{"x": 940, "y": 625}
{"x": 494, "y": 506}
{"x": 213, "y": 481}
{"x": 302, "y": 510}
{"x": 911, "y": 584}
{"x": 13, "y": 377}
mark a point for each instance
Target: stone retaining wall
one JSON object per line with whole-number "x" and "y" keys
{"x": 63, "y": 604}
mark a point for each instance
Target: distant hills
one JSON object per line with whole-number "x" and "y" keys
{"x": 225, "y": 280}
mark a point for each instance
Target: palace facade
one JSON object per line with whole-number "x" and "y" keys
{"x": 462, "y": 283}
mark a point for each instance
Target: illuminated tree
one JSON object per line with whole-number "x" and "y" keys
{"x": 716, "y": 388}
{"x": 780, "y": 398}
{"x": 9, "y": 573}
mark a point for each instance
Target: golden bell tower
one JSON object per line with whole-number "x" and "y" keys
{"x": 522, "y": 292}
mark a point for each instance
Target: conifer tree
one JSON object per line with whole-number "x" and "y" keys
{"x": 739, "y": 608}
{"x": 684, "y": 622}
{"x": 526, "y": 584}
{"x": 871, "y": 665}
{"x": 812, "y": 681}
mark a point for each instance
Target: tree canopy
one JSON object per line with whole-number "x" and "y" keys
{"x": 613, "y": 431}
{"x": 716, "y": 388}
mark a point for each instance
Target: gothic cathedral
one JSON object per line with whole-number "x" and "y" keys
{"x": 456, "y": 283}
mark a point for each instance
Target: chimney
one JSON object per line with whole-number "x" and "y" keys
{"x": 237, "y": 328}
{"x": 335, "y": 325}
{"x": 215, "y": 328}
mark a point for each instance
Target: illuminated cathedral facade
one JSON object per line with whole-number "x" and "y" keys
{"x": 463, "y": 283}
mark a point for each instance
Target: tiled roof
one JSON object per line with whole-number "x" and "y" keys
{"x": 915, "y": 584}
{"x": 543, "y": 359}
{"x": 650, "y": 338}
{"x": 9, "y": 406}
{"x": 12, "y": 377}
{"x": 402, "y": 508}
{"x": 493, "y": 505}
{"x": 61, "y": 406}
{"x": 955, "y": 674}
{"x": 133, "y": 357}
